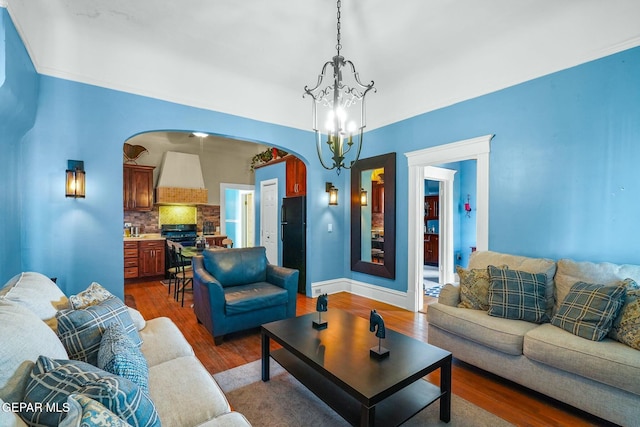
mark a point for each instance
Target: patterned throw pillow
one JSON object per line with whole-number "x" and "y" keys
{"x": 626, "y": 327}
{"x": 515, "y": 294}
{"x": 86, "y": 412}
{"x": 52, "y": 381}
{"x": 81, "y": 330}
{"x": 120, "y": 356}
{"x": 474, "y": 288}
{"x": 93, "y": 295}
{"x": 588, "y": 310}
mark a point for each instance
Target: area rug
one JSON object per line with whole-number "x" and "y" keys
{"x": 433, "y": 291}
{"x": 283, "y": 401}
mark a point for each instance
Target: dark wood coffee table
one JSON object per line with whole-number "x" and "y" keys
{"x": 334, "y": 364}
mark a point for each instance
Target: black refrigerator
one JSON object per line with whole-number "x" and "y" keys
{"x": 293, "y": 232}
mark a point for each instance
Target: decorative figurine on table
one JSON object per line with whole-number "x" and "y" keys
{"x": 376, "y": 323}
{"x": 321, "y": 305}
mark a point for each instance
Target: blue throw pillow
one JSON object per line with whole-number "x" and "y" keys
{"x": 589, "y": 310}
{"x": 53, "y": 381}
{"x": 81, "y": 330}
{"x": 515, "y": 294}
{"x": 120, "y": 356}
{"x": 86, "y": 412}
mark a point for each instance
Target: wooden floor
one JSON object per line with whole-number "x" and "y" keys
{"x": 507, "y": 400}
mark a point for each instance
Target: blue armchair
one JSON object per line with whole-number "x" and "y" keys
{"x": 237, "y": 289}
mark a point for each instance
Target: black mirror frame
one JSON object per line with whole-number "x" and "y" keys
{"x": 388, "y": 268}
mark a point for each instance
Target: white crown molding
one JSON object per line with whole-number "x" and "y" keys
{"x": 3, "y": 3}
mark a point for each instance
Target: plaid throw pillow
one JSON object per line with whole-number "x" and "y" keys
{"x": 52, "y": 381}
{"x": 86, "y": 412}
{"x": 515, "y": 294}
{"x": 81, "y": 330}
{"x": 588, "y": 310}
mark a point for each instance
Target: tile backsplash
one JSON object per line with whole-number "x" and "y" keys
{"x": 149, "y": 222}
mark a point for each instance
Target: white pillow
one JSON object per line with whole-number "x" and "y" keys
{"x": 137, "y": 318}
{"x": 24, "y": 337}
{"x": 38, "y": 293}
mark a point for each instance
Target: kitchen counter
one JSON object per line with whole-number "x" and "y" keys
{"x": 150, "y": 236}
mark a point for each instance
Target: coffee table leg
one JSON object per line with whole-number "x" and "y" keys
{"x": 265, "y": 357}
{"x": 367, "y": 416}
{"x": 445, "y": 388}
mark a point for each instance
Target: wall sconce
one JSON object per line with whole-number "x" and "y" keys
{"x": 75, "y": 184}
{"x": 333, "y": 194}
{"x": 467, "y": 206}
{"x": 363, "y": 197}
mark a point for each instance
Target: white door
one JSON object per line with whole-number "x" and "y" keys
{"x": 269, "y": 219}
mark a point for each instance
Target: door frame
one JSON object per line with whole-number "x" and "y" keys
{"x": 470, "y": 149}
{"x": 263, "y": 184}
{"x": 223, "y": 216}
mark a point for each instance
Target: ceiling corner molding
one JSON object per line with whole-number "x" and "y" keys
{"x": 3, "y": 3}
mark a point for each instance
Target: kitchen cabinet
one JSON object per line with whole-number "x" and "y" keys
{"x": 431, "y": 207}
{"x": 431, "y": 249}
{"x": 151, "y": 258}
{"x": 138, "y": 187}
{"x": 296, "y": 179}
{"x": 130, "y": 260}
{"x": 377, "y": 197}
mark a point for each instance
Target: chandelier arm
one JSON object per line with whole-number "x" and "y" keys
{"x": 319, "y": 148}
{"x": 356, "y": 77}
{"x": 357, "y": 154}
{"x": 320, "y": 78}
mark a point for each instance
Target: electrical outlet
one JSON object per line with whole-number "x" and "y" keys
{"x": 318, "y": 291}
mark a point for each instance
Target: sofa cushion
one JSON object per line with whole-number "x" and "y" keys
{"x": 518, "y": 295}
{"x": 570, "y": 272}
{"x": 483, "y": 259}
{"x": 504, "y": 335}
{"x": 626, "y": 327}
{"x": 185, "y": 393}
{"x": 474, "y": 288}
{"x": 38, "y": 293}
{"x": 163, "y": 341}
{"x": 119, "y": 355}
{"x": 81, "y": 330}
{"x": 589, "y": 309}
{"x": 606, "y": 361}
{"x": 52, "y": 381}
{"x": 85, "y": 412}
{"x": 254, "y": 296}
{"x": 17, "y": 354}
{"x": 10, "y": 418}
{"x": 232, "y": 267}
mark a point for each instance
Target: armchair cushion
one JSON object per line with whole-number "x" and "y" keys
{"x": 237, "y": 267}
{"x": 254, "y": 296}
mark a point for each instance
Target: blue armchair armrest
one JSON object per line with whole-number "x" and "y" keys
{"x": 286, "y": 278}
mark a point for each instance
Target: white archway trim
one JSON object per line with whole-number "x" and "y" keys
{"x": 470, "y": 149}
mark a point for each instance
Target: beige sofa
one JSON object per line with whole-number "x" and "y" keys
{"x": 182, "y": 390}
{"x": 599, "y": 377}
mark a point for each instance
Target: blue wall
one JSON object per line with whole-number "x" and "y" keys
{"x": 562, "y": 169}
{"x": 18, "y": 104}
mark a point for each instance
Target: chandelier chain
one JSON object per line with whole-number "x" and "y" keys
{"x": 338, "y": 45}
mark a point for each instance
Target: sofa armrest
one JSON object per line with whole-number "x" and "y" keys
{"x": 450, "y": 295}
{"x": 209, "y": 303}
{"x": 286, "y": 278}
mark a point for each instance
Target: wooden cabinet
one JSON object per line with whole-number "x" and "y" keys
{"x": 377, "y": 197}
{"x": 130, "y": 260}
{"x": 431, "y": 249}
{"x": 296, "y": 180}
{"x": 431, "y": 207}
{"x": 138, "y": 187}
{"x": 151, "y": 258}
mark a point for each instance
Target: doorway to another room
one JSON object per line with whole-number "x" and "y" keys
{"x": 237, "y": 214}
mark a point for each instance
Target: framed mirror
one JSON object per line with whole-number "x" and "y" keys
{"x": 373, "y": 216}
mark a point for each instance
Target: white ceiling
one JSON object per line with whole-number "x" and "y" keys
{"x": 253, "y": 57}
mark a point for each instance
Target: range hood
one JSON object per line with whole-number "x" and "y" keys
{"x": 180, "y": 180}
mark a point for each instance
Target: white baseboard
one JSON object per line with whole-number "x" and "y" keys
{"x": 378, "y": 293}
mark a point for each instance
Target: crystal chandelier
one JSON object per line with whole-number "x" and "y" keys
{"x": 338, "y": 105}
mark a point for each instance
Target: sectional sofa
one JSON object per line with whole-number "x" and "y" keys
{"x": 600, "y": 377}
{"x": 178, "y": 386}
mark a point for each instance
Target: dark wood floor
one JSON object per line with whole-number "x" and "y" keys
{"x": 507, "y": 400}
